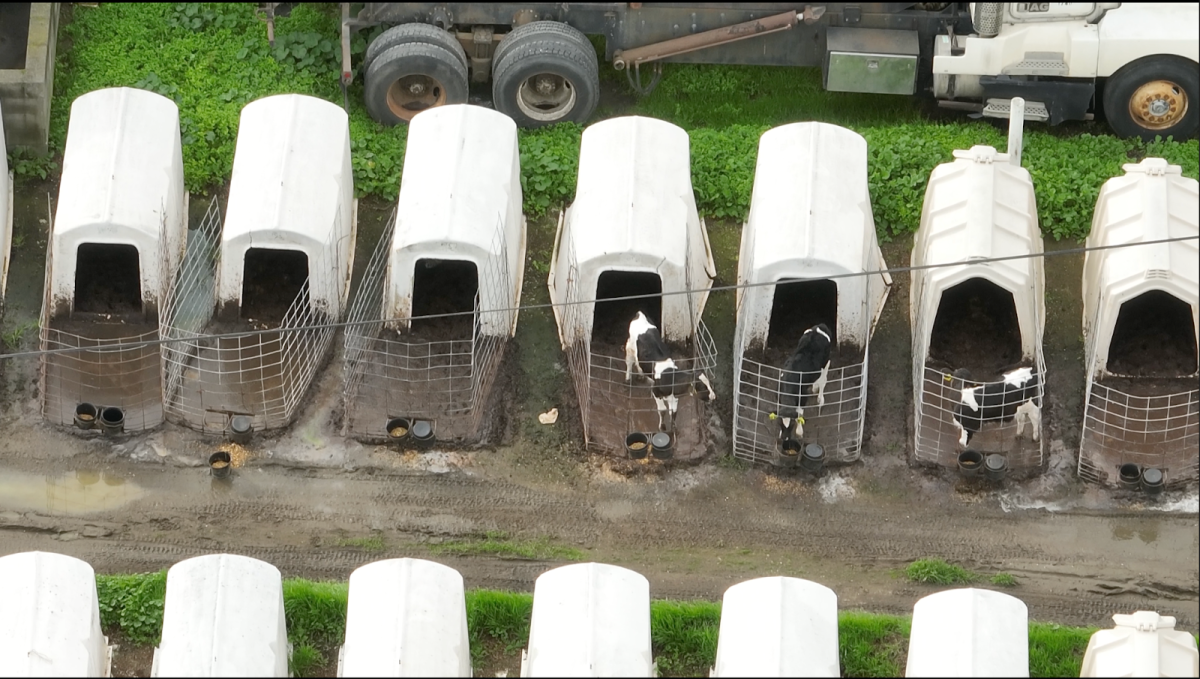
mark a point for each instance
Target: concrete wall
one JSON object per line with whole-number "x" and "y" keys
{"x": 25, "y": 94}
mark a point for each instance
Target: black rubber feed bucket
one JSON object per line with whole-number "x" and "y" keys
{"x": 637, "y": 445}
{"x": 220, "y": 464}
{"x": 789, "y": 452}
{"x": 813, "y": 457}
{"x": 970, "y": 462}
{"x": 240, "y": 429}
{"x": 398, "y": 428}
{"x": 662, "y": 445}
{"x": 1130, "y": 476}
{"x": 995, "y": 466}
{"x": 112, "y": 420}
{"x": 85, "y": 415}
{"x": 422, "y": 432}
{"x": 1152, "y": 481}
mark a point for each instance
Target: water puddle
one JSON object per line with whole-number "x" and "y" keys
{"x": 71, "y": 494}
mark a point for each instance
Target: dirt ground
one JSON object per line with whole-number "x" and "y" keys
{"x": 1079, "y": 552}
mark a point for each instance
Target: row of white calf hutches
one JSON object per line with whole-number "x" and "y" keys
{"x": 453, "y": 260}
{"x": 986, "y": 317}
{"x": 809, "y": 256}
{"x": 1140, "y": 307}
{"x": 281, "y": 263}
{"x": 632, "y": 230}
{"x": 6, "y": 216}
{"x": 50, "y": 618}
{"x": 115, "y": 242}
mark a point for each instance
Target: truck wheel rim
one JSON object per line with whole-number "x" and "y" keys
{"x": 411, "y": 94}
{"x": 1158, "y": 104}
{"x": 546, "y": 97}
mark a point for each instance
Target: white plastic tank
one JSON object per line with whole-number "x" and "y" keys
{"x": 778, "y": 627}
{"x": 223, "y": 617}
{"x": 50, "y": 618}
{"x": 1144, "y": 644}
{"x": 969, "y": 633}
{"x": 406, "y": 618}
{"x": 589, "y": 620}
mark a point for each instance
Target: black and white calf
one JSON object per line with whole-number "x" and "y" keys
{"x": 1015, "y": 396}
{"x": 646, "y": 350}
{"x": 806, "y": 371}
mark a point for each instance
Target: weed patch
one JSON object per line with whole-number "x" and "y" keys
{"x": 373, "y": 543}
{"x": 1003, "y": 580}
{"x": 498, "y": 543}
{"x": 938, "y": 572}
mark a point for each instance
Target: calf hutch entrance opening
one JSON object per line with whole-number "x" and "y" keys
{"x": 115, "y": 244}
{"x": 809, "y": 257}
{"x": 610, "y": 323}
{"x": 1142, "y": 417}
{"x": 976, "y": 328}
{"x": 272, "y": 278}
{"x": 437, "y": 304}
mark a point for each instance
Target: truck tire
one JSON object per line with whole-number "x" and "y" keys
{"x": 519, "y": 34}
{"x": 409, "y": 33}
{"x": 407, "y": 79}
{"x": 1154, "y": 96}
{"x": 546, "y": 77}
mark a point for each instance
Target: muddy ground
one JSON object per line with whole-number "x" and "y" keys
{"x": 303, "y": 498}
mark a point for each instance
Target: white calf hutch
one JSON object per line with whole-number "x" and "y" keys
{"x": 281, "y": 262}
{"x": 1140, "y": 308}
{"x": 632, "y": 230}
{"x": 1142, "y": 644}
{"x": 223, "y": 616}
{"x": 808, "y": 241}
{"x": 778, "y": 627}
{"x": 6, "y": 216}
{"x": 50, "y": 618}
{"x": 115, "y": 243}
{"x": 456, "y": 246}
{"x": 409, "y": 614}
{"x": 969, "y": 633}
{"x": 589, "y": 620}
{"x": 984, "y": 316}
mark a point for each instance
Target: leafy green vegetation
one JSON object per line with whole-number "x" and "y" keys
{"x": 1003, "y": 580}
{"x": 499, "y": 543}
{"x": 212, "y": 59}
{"x": 938, "y": 572}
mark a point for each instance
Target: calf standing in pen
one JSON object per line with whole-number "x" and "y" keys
{"x": 1016, "y": 396}
{"x": 806, "y": 371}
{"x": 646, "y": 350}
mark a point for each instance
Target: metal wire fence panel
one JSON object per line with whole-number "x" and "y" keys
{"x": 389, "y": 374}
{"x": 262, "y": 374}
{"x": 937, "y": 432}
{"x": 837, "y": 425}
{"x": 1160, "y": 430}
{"x": 102, "y": 375}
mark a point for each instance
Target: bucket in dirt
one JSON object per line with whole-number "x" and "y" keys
{"x": 969, "y": 462}
{"x": 422, "y": 431}
{"x": 112, "y": 420}
{"x": 662, "y": 445}
{"x": 1130, "y": 475}
{"x": 220, "y": 463}
{"x": 789, "y": 452}
{"x": 813, "y": 457}
{"x": 637, "y": 445}
{"x": 240, "y": 429}
{"x": 85, "y": 415}
{"x": 995, "y": 466}
{"x": 1152, "y": 481}
{"x": 398, "y": 428}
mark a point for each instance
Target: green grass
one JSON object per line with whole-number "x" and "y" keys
{"x": 373, "y": 543}
{"x": 684, "y": 636}
{"x": 1003, "y": 580}
{"x": 1057, "y": 651}
{"x": 872, "y": 645}
{"x": 498, "y": 543}
{"x": 938, "y": 572}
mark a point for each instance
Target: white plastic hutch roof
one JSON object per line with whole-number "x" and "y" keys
{"x": 292, "y": 189}
{"x": 810, "y": 218}
{"x": 122, "y": 183}
{"x": 1144, "y": 644}
{"x": 406, "y": 618}
{"x": 50, "y": 618}
{"x": 589, "y": 620}
{"x": 6, "y": 214}
{"x": 778, "y": 627}
{"x": 460, "y": 199}
{"x": 969, "y": 633}
{"x": 223, "y": 617}
{"x": 979, "y": 206}
{"x": 634, "y": 210}
{"x": 1152, "y": 201}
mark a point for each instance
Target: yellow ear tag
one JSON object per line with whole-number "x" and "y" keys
{"x": 800, "y": 420}
{"x": 948, "y": 377}
{"x": 772, "y": 416}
